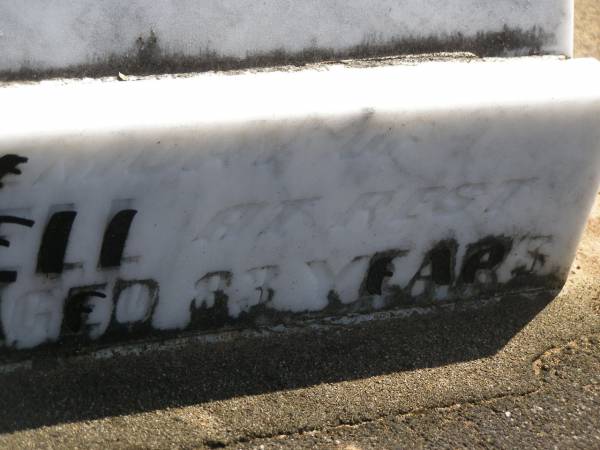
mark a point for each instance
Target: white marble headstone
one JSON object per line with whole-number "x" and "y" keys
{"x": 170, "y": 203}
{"x": 89, "y": 36}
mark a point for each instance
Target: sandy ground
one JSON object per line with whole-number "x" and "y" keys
{"x": 587, "y": 23}
{"x": 516, "y": 374}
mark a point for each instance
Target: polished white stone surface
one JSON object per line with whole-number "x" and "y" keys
{"x": 278, "y": 188}
{"x": 38, "y": 34}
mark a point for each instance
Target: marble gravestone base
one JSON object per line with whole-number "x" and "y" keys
{"x": 128, "y": 207}
{"x": 90, "y": 37}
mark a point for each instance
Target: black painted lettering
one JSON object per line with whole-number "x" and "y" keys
{"x": 115, "y": 236}
{"x": 10, "y": 276}
{"x": 380, "y": 268}
{"x": 485, "y": 255}
{"x": 142, "y": 294}
{"x": 438, "y": 265}
{"x": 441, "y": 259}
{"x": 54, "y": 242}
{"x": 8, "y": 165}
{"x": 77, "y": 309}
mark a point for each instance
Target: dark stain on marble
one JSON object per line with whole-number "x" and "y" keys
{"x": 146, "y": 56}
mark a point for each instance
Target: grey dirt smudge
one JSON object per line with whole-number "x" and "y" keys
{"x": 146, "y": 56}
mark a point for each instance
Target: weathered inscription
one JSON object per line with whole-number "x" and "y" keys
{"x": 81, "y": 302}
{"x": 483, "y": 258}
{"x": 111, "y": 302}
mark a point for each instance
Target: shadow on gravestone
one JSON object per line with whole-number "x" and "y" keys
{"x": 201, "y": 373}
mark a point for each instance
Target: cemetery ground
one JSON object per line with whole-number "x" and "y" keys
{"x": 515, "y": 374}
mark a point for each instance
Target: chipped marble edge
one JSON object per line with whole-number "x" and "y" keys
{"x": 147, "y": 57}
{"x": 399, "y": 60}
